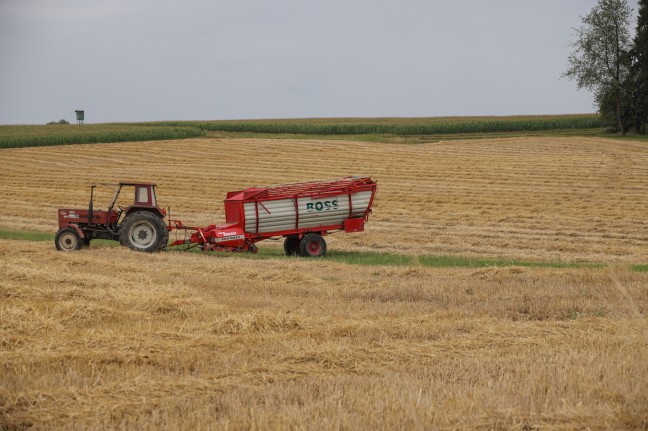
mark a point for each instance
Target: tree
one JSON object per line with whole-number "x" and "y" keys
{"x": 639, "y": 70}
{"x": 61, "y": 121}
{"x": 600, "y": 60}
{"x": 607, "y": 106}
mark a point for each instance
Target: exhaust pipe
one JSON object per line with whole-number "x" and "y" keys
{"x": 90, "y": 204}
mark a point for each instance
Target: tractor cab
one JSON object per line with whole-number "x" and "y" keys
{"x": 144, "y": 199}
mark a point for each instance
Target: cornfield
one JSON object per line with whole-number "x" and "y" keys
{"x": 34, "y": 136}
{"x": 406, "y": 126}
{"x": 37, "y": 136}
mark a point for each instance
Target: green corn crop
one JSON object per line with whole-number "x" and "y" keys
{"x": 35, "y": 136}
{"x": 31, "y": 136}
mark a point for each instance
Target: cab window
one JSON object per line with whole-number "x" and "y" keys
{"x": 142, "y": 195}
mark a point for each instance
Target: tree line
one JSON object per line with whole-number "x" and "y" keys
{"x": 612, "y": 64}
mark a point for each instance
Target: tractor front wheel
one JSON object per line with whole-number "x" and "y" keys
{"x": 312, "y": 245}
{"x": 67, "y": 239}
{"x": 143, "y": 231}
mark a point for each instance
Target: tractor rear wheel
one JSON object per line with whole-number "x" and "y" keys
{"x": 164, "y": 239}
{"x": 143, "y": 231}
{"x": 312, "y": 245}
{"x": 67, "y": 239}
{"x": 291, "y": 246}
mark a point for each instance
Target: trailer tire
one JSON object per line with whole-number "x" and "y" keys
{"x": 312, "y": 245}
{"x": 143, "y": 231}
{"x": 67, "y": 239}
{"x": 291, "y": 246}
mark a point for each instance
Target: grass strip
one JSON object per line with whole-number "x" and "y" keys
{"x": 441, "y": 261}
{"x": 471, "y": 262}
{"x": 414, "y": 139}
{"x": 394, "y": 259}
{"x": 639, "y": 268}
{"x": 356, "y": 257}
{"x": 25, "y": 235}
{"x": 44, "y": 237}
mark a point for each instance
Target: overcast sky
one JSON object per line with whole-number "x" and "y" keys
{"x": 140, "y": 60}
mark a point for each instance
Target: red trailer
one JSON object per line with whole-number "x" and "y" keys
{"x": 303, "y": 213}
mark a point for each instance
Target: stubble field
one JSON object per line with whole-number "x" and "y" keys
{"x": 108, "y": 338}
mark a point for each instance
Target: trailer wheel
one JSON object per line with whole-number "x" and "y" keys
{"x": 312, "y": 245}
{"x": 143, "y": 231}
{"x": 291, "y": 246}
{"x": 67, "y": 239}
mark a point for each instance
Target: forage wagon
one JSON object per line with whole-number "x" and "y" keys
{"x": 303, "y": 213}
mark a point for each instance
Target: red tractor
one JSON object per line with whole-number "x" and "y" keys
{"x": 139, "y": 226}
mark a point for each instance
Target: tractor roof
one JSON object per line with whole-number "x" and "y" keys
{"x": 136, "y": 183}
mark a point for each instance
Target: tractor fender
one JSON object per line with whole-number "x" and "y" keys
{"x": 157, "y": 211}
{"x": 77, "y": 229}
